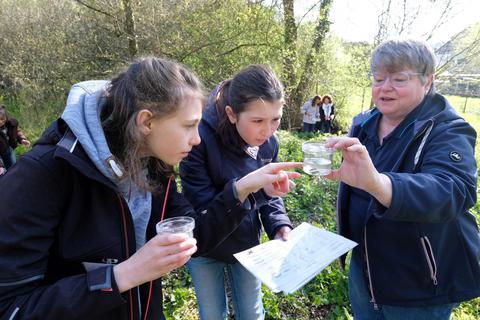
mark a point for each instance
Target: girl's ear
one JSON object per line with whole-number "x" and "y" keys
{"x": 231, "y": 115}
{"x": 144, "y": 121}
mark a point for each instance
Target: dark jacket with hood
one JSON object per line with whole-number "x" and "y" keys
{"x": 211, "y": 167}
{"x": 425, "y": 248}
{"x": 63, "y": 225}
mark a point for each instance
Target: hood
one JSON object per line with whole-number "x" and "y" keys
{"x": 210, "y": 113}
{"x": 82, "y": 115}
{"x": 434, "y": 108}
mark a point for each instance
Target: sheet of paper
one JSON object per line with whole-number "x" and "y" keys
{"x": 288, "y": 265}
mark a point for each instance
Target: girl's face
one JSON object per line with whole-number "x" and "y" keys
{"x": 327, "y": 101}
{"x": 170, "y": 138}
{"x": 3, "y": 120}
{"x": 258, "y": 122}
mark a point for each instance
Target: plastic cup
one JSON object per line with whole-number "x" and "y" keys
{"x": 317, "y": 159}
{"x": 176, "y": 225}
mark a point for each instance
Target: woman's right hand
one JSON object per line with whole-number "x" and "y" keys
{"x": 160, "y": 255}
{"x": 357, "y": 169}
{"x": 272, "y": 177}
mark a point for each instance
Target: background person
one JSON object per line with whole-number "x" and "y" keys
{"x": 10, "y": 137}
{"x": 237, "y": 131}
{"x": 78, "y": 213}
{"x": 310, "y": 113}
{"x": 408, "y": 180}
{"x": 327, "y": 114}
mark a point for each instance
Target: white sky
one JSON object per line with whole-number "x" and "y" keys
{"x": 356, "y": 20}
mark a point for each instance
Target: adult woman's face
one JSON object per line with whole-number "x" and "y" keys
{"x": 394, "y": 99}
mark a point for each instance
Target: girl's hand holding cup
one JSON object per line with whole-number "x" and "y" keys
{"x": 167, "y": 251}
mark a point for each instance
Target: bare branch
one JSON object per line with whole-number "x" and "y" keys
{"x": 472, "y": 50}
{"x": 241, "y": 46}
{"x": 95, "y": 9}
{"x": 404, "y": 18}
{"x": 441, "y": 20}
{"x": 208, "y": 44}
{"x": 383, "y": 21}
{"x": 310, "y": 9}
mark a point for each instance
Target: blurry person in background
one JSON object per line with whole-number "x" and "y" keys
{"x": 10, "y": 137}
{"x": 310, "y": 113}
{"x": 327, "y": 114}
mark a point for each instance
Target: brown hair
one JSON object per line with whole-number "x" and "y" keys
{"x": 158, "y": 85}
{"x": 252, "y": 83}
{"x": 315, "y": 99}
{"x": 327, "y": 97}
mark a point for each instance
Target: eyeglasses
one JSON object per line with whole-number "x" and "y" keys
{"x": 397, "y": 79}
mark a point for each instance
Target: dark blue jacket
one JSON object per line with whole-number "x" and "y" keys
{"x": 210, "y": 168}
{"x": 425, "y": 248}
{"x": 59, "y": 215}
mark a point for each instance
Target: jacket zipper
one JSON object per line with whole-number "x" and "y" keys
{"x": 14, "y": 313}
{"x": 127, "y": 251}
{"x": 370, "y": 285}
{"x": 432, "y": 266}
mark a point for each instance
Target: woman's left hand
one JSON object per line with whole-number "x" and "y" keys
{"x": 282, "y": 233}
{"x": 357, "y": 169}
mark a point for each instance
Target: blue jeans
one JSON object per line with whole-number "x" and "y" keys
{"x": 363, "y": 308}
{"x": 308, "y": 127}
{"x": 208, "y": 279}
{"x": 8, "y": 158}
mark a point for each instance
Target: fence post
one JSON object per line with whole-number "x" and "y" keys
{"x": 465, "y": 105}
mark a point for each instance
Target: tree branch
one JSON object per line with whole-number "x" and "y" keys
{"x": 95, "y": 9}
{"x": 308, "y": 11}
{"x": 441, "y": 20}
{"x": 241, "y": 46}
{"x": 473, "y": 49}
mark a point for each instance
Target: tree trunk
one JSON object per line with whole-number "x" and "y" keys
{"x": 299, "y": 94}
{"x": 289, "y": 58}
{"x": 130, "y": 28}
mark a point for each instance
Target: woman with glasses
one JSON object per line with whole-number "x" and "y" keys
{"x": 408, "y": 179}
